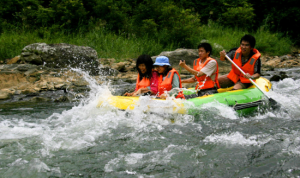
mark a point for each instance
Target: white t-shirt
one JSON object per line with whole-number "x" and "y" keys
{"x": 210, "y": 68}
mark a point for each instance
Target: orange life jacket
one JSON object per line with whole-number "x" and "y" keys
{"x": 204, "y": 81}
{"x": 235, "y": 75}
{"x": 144, "y": 83}
{"x": 166, "y": 84}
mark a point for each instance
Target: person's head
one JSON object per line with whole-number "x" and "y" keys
{"x": 247, "y": 44}
{"x": 162, "y": 65}
{"x": 144, "y": 65}
{"x": 204, "y": 50}
{"x": 250, "y": 39}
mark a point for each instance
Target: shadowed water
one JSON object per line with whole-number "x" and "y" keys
{"x": 80, "y": 140}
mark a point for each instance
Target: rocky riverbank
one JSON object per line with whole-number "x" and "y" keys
{"x": 53, "y": 73}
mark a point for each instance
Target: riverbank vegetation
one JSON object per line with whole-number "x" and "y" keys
{"x": 125, "y": 29}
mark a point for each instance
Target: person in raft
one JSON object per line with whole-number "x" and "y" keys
{"x": 205, "y": 70}
{"x": 248, "y": 59}
{"x": 168, "y": 78}
{"x": 147, "y": 79}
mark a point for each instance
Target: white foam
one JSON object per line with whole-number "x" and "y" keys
{"x": 236, "y": 139}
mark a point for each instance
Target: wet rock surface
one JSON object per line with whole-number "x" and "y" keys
{"x": 29, "y": 80}
{"x": 60, "y": 56}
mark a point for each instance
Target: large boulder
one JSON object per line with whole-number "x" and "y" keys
{"x": 61, "y": 56}
{"x": 189, "y": 55}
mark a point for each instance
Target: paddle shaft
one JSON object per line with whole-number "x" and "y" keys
{"x": 245, "y": 74}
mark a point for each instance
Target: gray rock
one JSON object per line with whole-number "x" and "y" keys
{"x": 61, "y": 56}
{"x": 189, "y": 55}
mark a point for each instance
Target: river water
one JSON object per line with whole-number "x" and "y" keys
{"x": 80, "y": 140}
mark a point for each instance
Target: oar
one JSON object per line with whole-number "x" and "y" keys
{"x": 273, "y": 103}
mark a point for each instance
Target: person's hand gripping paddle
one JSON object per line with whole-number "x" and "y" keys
{"x": 273, "y": 103}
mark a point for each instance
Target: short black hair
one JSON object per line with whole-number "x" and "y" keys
{"x": 147, "y": 60}
{"x": 250, "y": 39}
{"x": 206, "y": 46}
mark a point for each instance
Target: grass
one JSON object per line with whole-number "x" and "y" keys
{"x": 228, "y": 38}
{"x": 109, "y": 45}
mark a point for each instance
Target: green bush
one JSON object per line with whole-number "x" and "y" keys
{"x": 167, "y": 22}
{"x": 242, "y": 17}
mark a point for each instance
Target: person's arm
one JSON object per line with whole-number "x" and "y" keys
{"x": 230, "y": 54}
{"x": 253, "y": 77}
{"x": 222, "y": 55}
{"x": 175, "y": 81}
{"x": 210, "y": 68}
{"x": 190, "y": 70}
{"x": 128, "y": 94}
{"x": 189, "y": 80}
{"x": 257, "y": 70}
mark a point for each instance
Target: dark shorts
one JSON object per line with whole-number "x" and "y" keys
{"x": 225, "y": 82}
{"x": 207, "y": 91}
{"x": 203, "y": 92}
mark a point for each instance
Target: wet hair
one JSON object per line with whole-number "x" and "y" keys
{"x": 206, "y": 46}
{"x": 250, "y": 39}
{"x": 145, "y": 59}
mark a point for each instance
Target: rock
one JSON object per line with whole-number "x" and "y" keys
{"x": 107, "y": 61}
{"x": 189, "y": 55}
{"x": 272, "y": 63}
{"x": 107, "y": 71}
{"x": 278, "y": 77}
{"x": 32, "y": 58}
{"x": 50, "y": 82}
{"x": 60, "y": 86}
{"x": 14, "y": 60}
{"x": 62, "y": 99}
{"x": 30, "y": 92}
{"x": 61, "y": 56}
{"x": 275, "y": 78}
{"x": 26, "y": 67}
{"x": 4, "y": 95}
{"x": 39, "y": 99}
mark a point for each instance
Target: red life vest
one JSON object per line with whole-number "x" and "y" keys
{"x": 204, "y": 81}
{"x": 235, "y": 75}
{"x": 166, "y": 84}
{"x": 144, "y": 83}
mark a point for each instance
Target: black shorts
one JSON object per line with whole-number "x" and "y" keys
{"x": 209, "y": 91}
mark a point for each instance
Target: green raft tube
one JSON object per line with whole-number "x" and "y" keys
{"x": 244, "y": 101}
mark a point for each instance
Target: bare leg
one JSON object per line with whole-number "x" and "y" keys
{"x": 224, "y": 81}
{"x": 240, "y": 85}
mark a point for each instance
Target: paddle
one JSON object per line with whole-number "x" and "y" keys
{"x": 273, "y": 103}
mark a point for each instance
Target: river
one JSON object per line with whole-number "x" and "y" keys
{"x": 80, "y": 140}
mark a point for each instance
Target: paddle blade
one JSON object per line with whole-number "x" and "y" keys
{"x": 274, "y": 104}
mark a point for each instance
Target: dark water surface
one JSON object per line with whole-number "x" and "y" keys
{"x": 80, "y": 140}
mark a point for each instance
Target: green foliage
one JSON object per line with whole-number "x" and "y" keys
{"x": 164, "y": 24}
{"x": 282, "y": 17}
{"x": 226, "y": 38}
{"x": 107, "y": 44}
{"x": 68, "y": 13}
{"x": 242, "y": 17}
{"x": 167, "y": 22}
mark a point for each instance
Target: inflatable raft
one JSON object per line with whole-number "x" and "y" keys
{"x": 243, "y": 101}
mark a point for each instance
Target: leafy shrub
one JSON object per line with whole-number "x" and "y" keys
{"x": 238, "y": 16}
